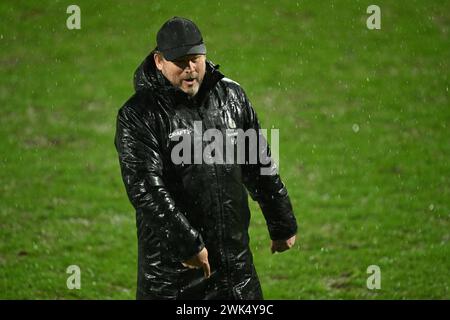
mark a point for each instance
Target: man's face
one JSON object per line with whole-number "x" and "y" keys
{"x": 186, "y": 73}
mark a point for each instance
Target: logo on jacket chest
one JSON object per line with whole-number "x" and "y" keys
{"x": 179, "y": 132}
{"x": 230, "y": 123}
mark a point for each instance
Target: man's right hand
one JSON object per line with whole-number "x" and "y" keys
{"x": 282, "y": 245}
{"x": 200, "y": 260}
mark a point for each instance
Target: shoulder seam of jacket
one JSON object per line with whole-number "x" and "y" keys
{"x": 230, "y": 81}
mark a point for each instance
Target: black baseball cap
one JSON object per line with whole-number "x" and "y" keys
{"x": 179, "y": 37}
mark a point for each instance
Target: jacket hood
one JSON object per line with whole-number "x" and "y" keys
{"x": 148, "y": 77}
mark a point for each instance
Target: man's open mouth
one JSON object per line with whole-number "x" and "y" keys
{"x": 190, "y": 80}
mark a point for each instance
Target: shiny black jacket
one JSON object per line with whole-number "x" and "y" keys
{"x": 182, "y": 208}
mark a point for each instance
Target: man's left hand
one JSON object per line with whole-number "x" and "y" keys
{"x": 282, "y": 245}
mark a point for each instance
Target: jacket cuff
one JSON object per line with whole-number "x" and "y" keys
{"x": 280, "y": 218}
{"x": 188, "y": 251}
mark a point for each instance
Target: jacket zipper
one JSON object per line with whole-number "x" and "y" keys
{"x": 221, "y": 222}
{"x": 227, "y": 264}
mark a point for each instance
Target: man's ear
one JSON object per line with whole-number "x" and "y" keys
{"x": 158, "y": 61}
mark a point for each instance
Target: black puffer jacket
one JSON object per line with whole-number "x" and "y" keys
{"x": 182, "y": 208}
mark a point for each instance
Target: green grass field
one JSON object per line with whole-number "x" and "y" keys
{"x": 364, "y": 141}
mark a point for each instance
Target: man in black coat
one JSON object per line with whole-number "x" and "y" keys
{"x": 192, "y": 211}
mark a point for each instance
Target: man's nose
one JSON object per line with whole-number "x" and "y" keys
{"x": 190, "y": 65}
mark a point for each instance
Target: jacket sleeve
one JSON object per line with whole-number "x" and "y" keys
{"x": 267, "y": 189}
{"x": 142, "y": 167}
